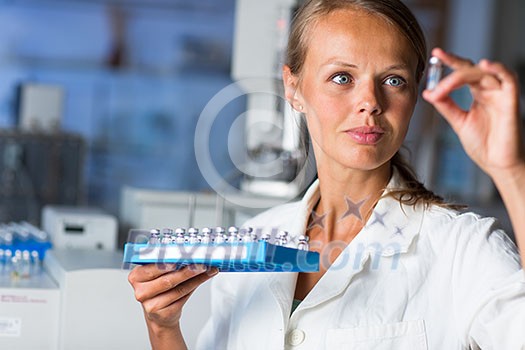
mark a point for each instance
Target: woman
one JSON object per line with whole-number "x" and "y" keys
{"x": 399, "y": 268}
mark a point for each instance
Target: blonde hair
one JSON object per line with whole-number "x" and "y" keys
{"x": 399, "y": 16}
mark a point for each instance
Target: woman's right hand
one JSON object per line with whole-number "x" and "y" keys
{"x": 162, "y": 290}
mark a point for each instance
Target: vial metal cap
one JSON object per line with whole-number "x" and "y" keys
{"x": 303, "y": 243}
{"x": 303, "y": 238}
{"x": 434, "y": 60}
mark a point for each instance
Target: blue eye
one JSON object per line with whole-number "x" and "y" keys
{"x": 395, "y": 81}
{"x": 341, "y": 79}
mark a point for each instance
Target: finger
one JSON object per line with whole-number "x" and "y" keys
{"x": 180, "y": 292}
{"x": 172, "y": 279}
{"x": 165, "y": 282}
{"x": 498, "y": 69}
{"x": 447, "y": 108}
{"x": 472, "y": 76}
{"x": 149, "y": 272}
{"x": 451, "y": 60}
{"x": 166, "y": 314}
{"x": 508, "y": 78}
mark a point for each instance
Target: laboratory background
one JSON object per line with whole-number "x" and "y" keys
{"x": 118, "y": 115}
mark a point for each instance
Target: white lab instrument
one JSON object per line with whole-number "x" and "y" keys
{"x": 29, "y": 312}
{"x": 275, "y": 161}
{"x": 97, "y": 307}
{"x": 80, "y": 227}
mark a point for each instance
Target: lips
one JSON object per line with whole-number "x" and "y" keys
{"x": 366, "y": 135}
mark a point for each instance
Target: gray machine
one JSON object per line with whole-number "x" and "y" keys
{"x": 276, "y": 161}
{"x": 38, "y": 169}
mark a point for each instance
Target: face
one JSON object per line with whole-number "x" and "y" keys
{"x": 357, "y": 89}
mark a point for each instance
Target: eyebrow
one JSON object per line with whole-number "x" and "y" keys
{"x": 340, "y": 63}
{"x": 400, "y": 66}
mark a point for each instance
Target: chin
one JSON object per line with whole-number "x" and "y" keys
{"x": 366, "y": 162}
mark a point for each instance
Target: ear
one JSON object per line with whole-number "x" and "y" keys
{"x": 290, "y": 82}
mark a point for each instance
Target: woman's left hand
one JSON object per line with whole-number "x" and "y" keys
{"x": 490, "y": 130}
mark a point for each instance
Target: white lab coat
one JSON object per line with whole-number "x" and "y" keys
{"x": 411, "y": 279}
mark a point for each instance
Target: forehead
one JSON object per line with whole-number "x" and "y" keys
{"x": 358, "y": 35}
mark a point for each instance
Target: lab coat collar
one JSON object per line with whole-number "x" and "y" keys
{"x": 389, "y": 232}
{"x": 391, "y": 225}
{"x": 282, "y": 285}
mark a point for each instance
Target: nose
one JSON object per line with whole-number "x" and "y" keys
{"x": 368, "y": 99}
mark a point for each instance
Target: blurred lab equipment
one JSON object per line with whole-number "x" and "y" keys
{"x": 40, "y": 107}
{"x": 29, "y": 298}
{"x": 275, "y": 161}
{"x": 97, "y": 307}
{"x": 22, "y": 249}
{"x": 142, "y": 208}
{"x": 80, "y": 227}
{"x": 29, "y": 317}
{"x": 53, "y": 298}
{"x": 38, "y": 169}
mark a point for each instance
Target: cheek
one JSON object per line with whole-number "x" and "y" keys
{"x": 402, "y": 110}
{"x": 321, "y": 111}
{"x": 326, "y": 108}
{"x": 323, "y": 120}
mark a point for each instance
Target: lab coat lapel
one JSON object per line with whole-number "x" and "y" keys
{"x": 389, "y": 233}
{"x": 282, "y": 285}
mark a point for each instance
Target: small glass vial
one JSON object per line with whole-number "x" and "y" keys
{"x": 36, "y": 263}
{"x": 8, "y": 254}
{"x": 282, "y": 238}
{"x": 16, "y": 265}
{"x": 194, "y": 235}
{"x": 167, "y": 236}
{"x": 206, "y": 235}
{"x": 303, "y": 243}
{"x": 25, "y": 264}
{"x": 435, "y": 72}
{"x": 180, "y": 237}
{"x": 220, "y": 236}
{"x": 154, "y": 236}
{"x": 233, "y": 234}
{"x": 249, "y": 235}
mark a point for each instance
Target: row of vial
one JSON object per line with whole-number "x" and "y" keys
{"x": 220, "y": 235}
{"x": 20, "y": 263}
{"x": 20, "y": 233}
{"x": 22, "y": 248}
